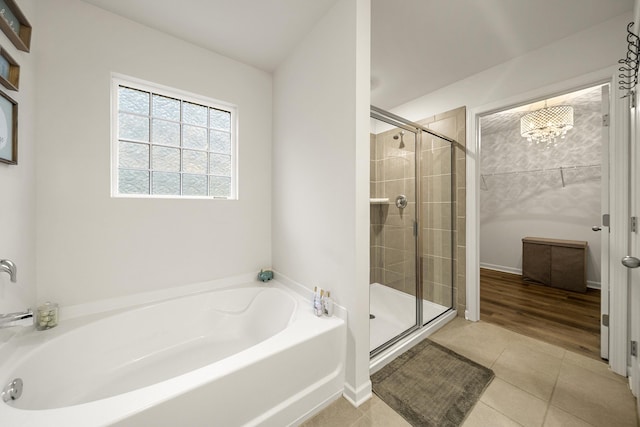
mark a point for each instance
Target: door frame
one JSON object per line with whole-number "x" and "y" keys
{"x": 618, "y": 297}
{"x": 605, "y": 229}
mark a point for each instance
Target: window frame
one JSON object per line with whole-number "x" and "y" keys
{"x": 118, "y": 80}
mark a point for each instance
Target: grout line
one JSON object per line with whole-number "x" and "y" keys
{"x": 555, "y": 384}
{"x": 496, "y": 359}
{"x": 498, "y": 411}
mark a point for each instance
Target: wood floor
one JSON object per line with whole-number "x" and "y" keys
{"x": 567, "y": 319}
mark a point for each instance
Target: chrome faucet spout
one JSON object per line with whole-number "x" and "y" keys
{"x": 12, "y": 317}
{"x": 8, "y": 266}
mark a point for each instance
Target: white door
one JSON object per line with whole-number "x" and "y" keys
{"x": 632, "y": 261}
{"x": 604, "y": 229}
{"x": 619, "y": 205}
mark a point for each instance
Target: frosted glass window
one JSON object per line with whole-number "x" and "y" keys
{"x": 220, "y": 165}
{"x": 220, "y": 142}
{"x": 166, "y": 108}
{"x": 166, "y": 183}
{"x": 133, "y": 101}
{"x": 194, "y": 161}
{"x": 134, "y": 127}
{"x": 194, "y": 185}
{"x": 165, "y": 132}
{"x": 194, "y": 137}
{"x": 194, "y": 114}
{"x": 133, "y": 182}
{"x": 171, "y": 144}
{"x": 166, "y": 159}
{"x": 219, "y": 186}
{"x": 133, "y": 156}
{"x": 220, "y": 119}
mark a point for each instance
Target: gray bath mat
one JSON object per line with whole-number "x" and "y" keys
{"x": 430, "y": 385}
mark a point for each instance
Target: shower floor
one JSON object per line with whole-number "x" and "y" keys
{"x": 395, "y": 312}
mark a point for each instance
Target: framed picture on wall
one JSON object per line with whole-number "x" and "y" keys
{"x": 9, "y": 71}
{"x": 8, "y": 130}
{"x": 15, "y": 25}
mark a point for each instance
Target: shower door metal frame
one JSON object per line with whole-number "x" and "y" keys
{"x": 400, "y": 122}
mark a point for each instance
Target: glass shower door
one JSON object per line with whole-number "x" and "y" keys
{"x": 393, "y": 290}
{"x": 412, "y": 234}
{"x": 437, "y": 224}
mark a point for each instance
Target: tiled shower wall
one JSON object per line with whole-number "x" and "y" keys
{"x": 392, "y": 242}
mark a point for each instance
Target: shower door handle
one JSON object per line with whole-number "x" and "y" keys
{"x": 596, "y": 228}
{"x": 631, "y": 262}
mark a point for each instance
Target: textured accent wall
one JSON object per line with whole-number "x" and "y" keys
{"x": 523, "y": 191}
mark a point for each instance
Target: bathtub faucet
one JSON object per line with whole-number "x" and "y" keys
{"x": 12, "y": 317}
{"x": 8, "y": 266}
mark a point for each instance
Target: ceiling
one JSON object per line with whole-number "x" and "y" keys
{"x": 418, "y": 46}
{"x": 257, "y": 32}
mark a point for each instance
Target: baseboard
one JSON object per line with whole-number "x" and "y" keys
{"x": 593, "y": 285}
{"x": 590, "y": 283}
{"x": 501, "y": 268}
{"x": 357, "y": 397}
{"x": 315, "y": 411}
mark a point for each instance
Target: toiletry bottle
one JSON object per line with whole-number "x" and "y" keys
{"x": 327, "y": 304}
{"x": 46, "y": 316}
{"x": 317, "y": 301}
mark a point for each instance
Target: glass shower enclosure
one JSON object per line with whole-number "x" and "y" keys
{"x": 411, "y": 228}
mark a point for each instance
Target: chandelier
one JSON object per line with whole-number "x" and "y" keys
{"x": 547, "y": 124}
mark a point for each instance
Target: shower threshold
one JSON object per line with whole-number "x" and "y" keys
{"x": 394, "y": 312}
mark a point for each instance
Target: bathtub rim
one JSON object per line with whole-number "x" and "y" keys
{"x": 111, "y": 305}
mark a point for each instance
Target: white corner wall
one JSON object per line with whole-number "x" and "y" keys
{"x": 321, "y": 171}
{"x": 18, "y": 183}
{"x": 91, "y": 246}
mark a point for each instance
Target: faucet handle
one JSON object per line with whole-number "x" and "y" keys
{"x": 9, "y": 266}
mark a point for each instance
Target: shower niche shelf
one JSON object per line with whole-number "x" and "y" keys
{"x": 379, "y": 200}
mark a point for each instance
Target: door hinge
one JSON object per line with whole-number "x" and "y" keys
{"x": 632, "y": 99}
{"x": 605, "y": 320}
{"x": 634, "y": 224}
{"x": 415, "y": 228}
{"x": 634, "y": 348}
{"x": 605, "y": 120}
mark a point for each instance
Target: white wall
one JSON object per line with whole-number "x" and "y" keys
{"x": 577, "y": 55}
{"x": 320, "y": 170}
{"x": 18, "y": 197}
{"x": 91, "y": 246}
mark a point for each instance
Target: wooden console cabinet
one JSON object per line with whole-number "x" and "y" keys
{"x": 557, "y": 263}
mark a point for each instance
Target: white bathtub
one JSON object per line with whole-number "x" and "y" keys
{"x": 242, "y": 355}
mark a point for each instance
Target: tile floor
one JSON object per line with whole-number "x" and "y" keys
{"x": 536, "y": 384}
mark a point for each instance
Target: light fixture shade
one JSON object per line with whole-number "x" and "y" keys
{"x": 546, "y": 124}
